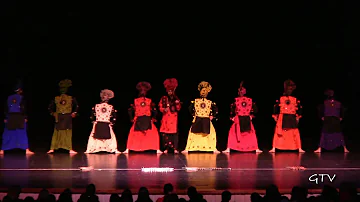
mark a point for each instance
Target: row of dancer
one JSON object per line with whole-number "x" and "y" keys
{"x": 144, "y": 135}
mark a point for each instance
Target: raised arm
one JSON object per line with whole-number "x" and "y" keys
{"x": 214, "y": 111}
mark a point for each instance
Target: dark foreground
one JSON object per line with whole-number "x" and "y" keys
{"x": 238, "y": 172}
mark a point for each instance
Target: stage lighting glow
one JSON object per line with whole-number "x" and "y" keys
{"x": 194, "y": 169}
{"x": 162, "y": 170}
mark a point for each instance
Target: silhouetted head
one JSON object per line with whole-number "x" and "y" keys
{"x": 225, "y": 196}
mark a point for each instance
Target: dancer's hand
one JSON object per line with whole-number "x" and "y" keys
{"x": 340, "y": 119}
{"x": 275, "y": 118}
{"x": 25, "y": 120}
{"x": 73, "y": 115}
{"x": 322, "y": 118}
{"x": 211, "y": 118}
{"x": 5, "y": 121}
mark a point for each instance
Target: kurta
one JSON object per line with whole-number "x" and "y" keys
{"x": 202, "y": 134}
{"x": 61, "y": 108}
{"x": 102, "y": 137}
{"x": 143, "y": 134}
{"x": 15, "y": 135}
{"x": 242, "y": 135}
{"x": 287, "y": 111}
{"x": 169, "y": 107}
{"x": 332, "y": 112}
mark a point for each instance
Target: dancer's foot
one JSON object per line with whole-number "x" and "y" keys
{"x": 176, "y": 151}
{"x": 272, "y": 150}
{"x": 258, "y": 151}
{"x": 346, "y": 150}
{"x": 217, "y": 152}
{"x": 72, "y": 152}
{"x": 28, "y": 152}
{"x": 159, "y": 152}
{"x": 126, "y": 151}
{"x": 301, "y": 151}
{"x": 1, "y": 152}
{"x": 50, "y": 151}
{"x": 117, "y": 152}
{"x": 87, "y": 152}
{"x": 227, "y": 150}
{"x": 166, "y": 151}
{"x": 185, "y": 152}
{"x": 318, "y": 150}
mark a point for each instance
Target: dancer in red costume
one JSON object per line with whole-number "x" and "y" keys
{"x": 143, "y": 134}
{"x": 170, "y": 106}
{"x": 242, "y": 136}
{"x": 287, "y": 113}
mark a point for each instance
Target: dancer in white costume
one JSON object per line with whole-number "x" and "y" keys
{"x": 102, "y": 137}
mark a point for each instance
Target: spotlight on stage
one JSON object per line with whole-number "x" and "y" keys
{"x": 153, "y": 170}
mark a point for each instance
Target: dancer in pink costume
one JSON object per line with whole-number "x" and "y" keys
{"x": 242, "y": 135}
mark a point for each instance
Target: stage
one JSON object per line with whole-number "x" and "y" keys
{"x": 241, "y": 173}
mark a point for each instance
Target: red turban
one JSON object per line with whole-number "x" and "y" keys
{"x": 143, "y": 86}
{"x": 170, "y": 84}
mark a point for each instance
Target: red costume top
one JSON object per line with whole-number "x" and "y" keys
{"x": 142, "y": 106}
{"x": 244, "y": 106}
{"x": 288, "y": 105}
{"x": 169, "y": 106}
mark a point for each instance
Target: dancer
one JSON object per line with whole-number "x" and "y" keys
{"x": 287, "y": 113}
{"x": 15, "y": 135}
{"x": 332, "y": 113}
{"x": 170, "y": 106}
{"x": 64, "y": 108}
{"x": 143, "y": 134}
{"x": 242, "y": 136}
{"x": 102, "y": 137}
{"x": 202, "y": 134}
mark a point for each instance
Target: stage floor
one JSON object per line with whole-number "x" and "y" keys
{"x": 238, "y": 172}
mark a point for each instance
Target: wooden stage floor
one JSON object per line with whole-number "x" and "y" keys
{"x": 240, "y": 173}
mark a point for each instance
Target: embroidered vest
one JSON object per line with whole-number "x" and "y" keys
{"x": 332, "y": 108}
{"x": 202, "y": 107}
{"x": 103, "y": 112}
{"x": 142, "y": 106}
{"x": 14, "y": 102}
{"x": 243, "y": 106}
{"x": 288, "y": 105}
{"x": 63, "y": 104}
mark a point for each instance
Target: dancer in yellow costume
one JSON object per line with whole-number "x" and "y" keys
{"x": 64, "y": 108}
{"x": 202, "y": 134}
